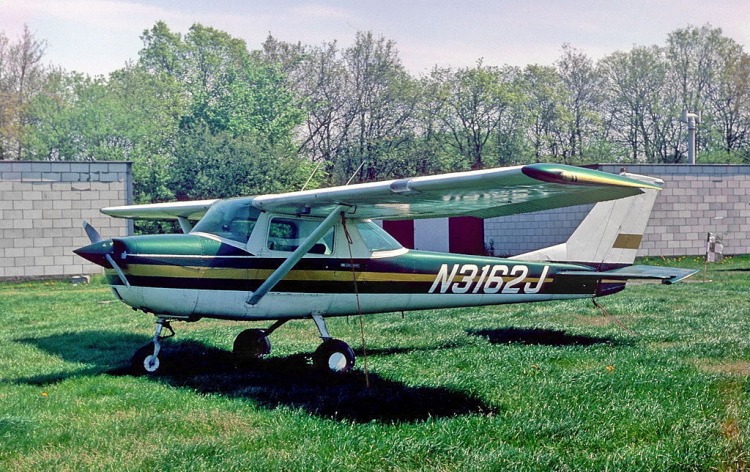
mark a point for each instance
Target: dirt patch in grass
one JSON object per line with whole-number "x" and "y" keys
{"x": 593, "y": 320}
{"x": 664, "y": 345}
{"x": 732, "y": 393}
{"x": 739, "y": 368}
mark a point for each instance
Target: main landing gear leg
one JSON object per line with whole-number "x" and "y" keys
{"x": 146, "y": 359}
{"x": 253, "y": 344}
{"x": 333, "y": 355}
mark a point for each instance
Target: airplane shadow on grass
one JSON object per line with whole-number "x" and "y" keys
{"x": 540, "y": 337}
{"x": 273, "y": 382}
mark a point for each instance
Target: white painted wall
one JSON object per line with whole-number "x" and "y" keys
{"x": 431, "y": 234}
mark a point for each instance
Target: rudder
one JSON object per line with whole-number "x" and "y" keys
{"x": 609, "y": 236}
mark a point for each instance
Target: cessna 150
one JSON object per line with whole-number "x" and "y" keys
{"x": 317, "y": 253}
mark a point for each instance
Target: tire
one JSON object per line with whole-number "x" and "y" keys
{"x": 144, "y": 362}
{"x": 334, "y": 356}
{"x": 251, "y": 345}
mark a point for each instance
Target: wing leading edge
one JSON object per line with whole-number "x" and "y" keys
{"x": 191, "y": 210}
{"x": 483, "y": 193}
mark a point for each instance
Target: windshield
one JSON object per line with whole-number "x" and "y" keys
{"x": 230, "y": 219}
{"x": 376, "y": 238}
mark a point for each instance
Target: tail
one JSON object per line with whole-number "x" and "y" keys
{"x": 610, "y": 234}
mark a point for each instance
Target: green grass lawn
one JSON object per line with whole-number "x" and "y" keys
{"x": 662, "y": 384}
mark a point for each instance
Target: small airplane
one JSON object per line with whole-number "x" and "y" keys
{"x": 314, "y": 254}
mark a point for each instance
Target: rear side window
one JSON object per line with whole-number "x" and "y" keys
{"x": 287, "y": 234}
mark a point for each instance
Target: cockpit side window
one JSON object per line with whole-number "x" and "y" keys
{"x": 229, "y": 219}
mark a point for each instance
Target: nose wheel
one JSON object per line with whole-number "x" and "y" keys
{"x": 145, "y": 361}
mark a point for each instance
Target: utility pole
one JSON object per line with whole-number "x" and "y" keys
{"x": 691, "y": 119}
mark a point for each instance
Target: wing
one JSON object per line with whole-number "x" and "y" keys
{"x": 192, "y": 210}
{"x": 483, "y": 193}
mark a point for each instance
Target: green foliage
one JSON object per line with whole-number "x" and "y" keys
{"x": 549, "y": 386}
{"x": 210, "y": 121}
{"x": 220, "y": 165}
{"x": 200, "y": 114}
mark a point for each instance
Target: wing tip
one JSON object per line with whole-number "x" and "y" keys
{"x": 570, "y": 175}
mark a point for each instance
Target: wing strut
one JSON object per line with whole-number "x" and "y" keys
{"x": 295, "y": 257}
{"x": 185, "y": 225}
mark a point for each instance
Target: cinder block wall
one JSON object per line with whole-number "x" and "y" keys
{"x": 42, "y": 208}
{"x": 516, "y": 234}
{"x": 695, "y": 200}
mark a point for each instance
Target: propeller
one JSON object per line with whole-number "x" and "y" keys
{"x": 91, "y": 232}
{"x": 95, "y": 237}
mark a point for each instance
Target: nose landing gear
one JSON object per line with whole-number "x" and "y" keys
{"x": 145, "y": 361}
{"x": 332, "y": 356}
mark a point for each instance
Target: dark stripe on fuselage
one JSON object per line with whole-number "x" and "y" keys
{"x": 412, "y": 273}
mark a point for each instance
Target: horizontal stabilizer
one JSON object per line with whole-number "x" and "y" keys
{"x": 667, "y": 275}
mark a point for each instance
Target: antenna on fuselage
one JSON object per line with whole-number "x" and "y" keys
{"x": 312, "y": 174}
{"x": 354, "y": 174}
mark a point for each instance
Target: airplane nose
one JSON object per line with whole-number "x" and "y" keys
{"x": 97, "y": 252}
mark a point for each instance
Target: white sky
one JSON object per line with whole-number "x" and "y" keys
{"x": 99, "y": 36}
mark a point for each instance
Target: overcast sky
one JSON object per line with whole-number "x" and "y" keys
{"x": 99, "y": 36}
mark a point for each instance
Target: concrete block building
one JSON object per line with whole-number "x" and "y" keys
{"x": 42, "y": 208}
{"x": 43, "y": 205}
{"x": 696, "y": 200}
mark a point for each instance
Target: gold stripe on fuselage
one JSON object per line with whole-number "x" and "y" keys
{"x": 335, "y": 275}
{"x": 344, "y": 274}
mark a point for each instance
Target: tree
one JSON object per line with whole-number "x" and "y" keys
{"x": 380, "y": 98}
{"x": 638, "y": 114}
{"x": 729, "y": 104}
{"x": 548, "y": 117}
{"x": 21, "y": 77}
{"x": 583, "y": 89}
{"x": 711, "y": 74}
{"x": 473, "y": 104}
{"x": 238, "y": 115}
{"x": 221, "y": 165}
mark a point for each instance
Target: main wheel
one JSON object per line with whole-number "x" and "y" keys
{"x": 251, "y": 345}
{"x": 144, "y": 362}
{"x": 334, "y": 356}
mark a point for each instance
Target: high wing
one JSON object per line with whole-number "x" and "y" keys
{"x": 482, "y": 193}
{"x": 191, "y": 210}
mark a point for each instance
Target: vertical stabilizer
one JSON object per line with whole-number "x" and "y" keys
{"x": 609, "y": 235}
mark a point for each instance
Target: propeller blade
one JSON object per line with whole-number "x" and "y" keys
{"x": 91, "y": 232}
